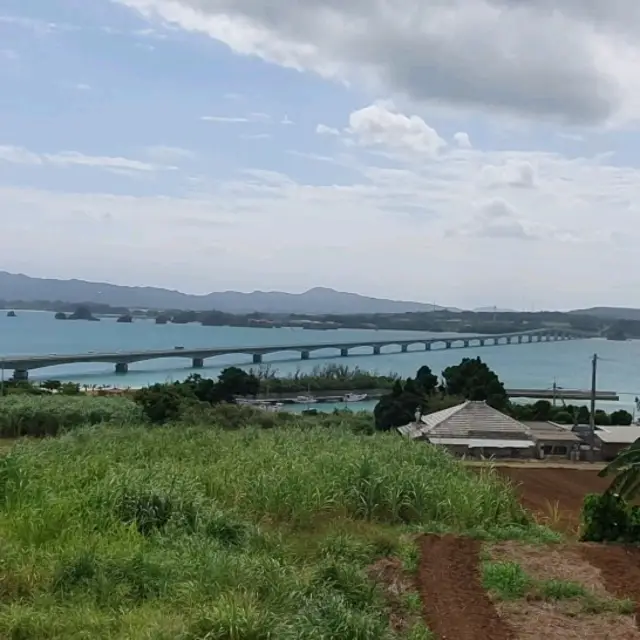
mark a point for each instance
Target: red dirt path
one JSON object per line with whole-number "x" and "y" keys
{"x": 454, "y": 602}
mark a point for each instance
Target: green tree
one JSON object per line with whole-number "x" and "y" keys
{"x": 542, "y": 410}
{"x": 474, "y": 380}
{"x": 621, "y": 417}
{"x": 426, "y": 380}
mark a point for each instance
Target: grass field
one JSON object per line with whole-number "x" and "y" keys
{"x": 195, "y": 532}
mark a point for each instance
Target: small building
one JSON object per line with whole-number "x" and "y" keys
{"x": 612, "y": 440}
{"x": 554, "y": 440}
{"x": 474, "y": 429}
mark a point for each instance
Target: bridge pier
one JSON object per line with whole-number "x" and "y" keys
{"x": 344, "y": 353}
{"x": 20, "y": 375}
{"x": 465, "y": 343}
{"x": 404, "y": 348}
{"x": 197, "y": 363}
{"x": 427, "y": 346}
{"x": 447, "y": 344}
{"x": 122, "y": 367}
{"x": 376, "y": 350}
{"x": 257, "y": 358}
{"x": 304, "y": 355}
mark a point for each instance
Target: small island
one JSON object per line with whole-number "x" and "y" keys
{"x": 61, "y": 316}
{"x": 125, "y": 319}
{"x": 83, "y": 313}
{"x": 11, "y": 314}
{"x": 162, "y": 319}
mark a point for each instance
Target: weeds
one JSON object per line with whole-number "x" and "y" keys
{"x": 197, "y": 532}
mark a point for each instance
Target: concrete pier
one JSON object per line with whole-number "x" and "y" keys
{"x": 257, "y": 358}
{"x": 122, "y": 367}
{"x": 304, "y": 355}
{"x": 344, "y": 353}
{"x": 197, "y": 363}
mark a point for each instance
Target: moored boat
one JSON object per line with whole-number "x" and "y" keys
{"x": 355, "y": 397}
{"x": 305, "y": 400}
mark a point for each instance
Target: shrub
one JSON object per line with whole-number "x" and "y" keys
{"x": 37, "y": 416}
{"x": 610, "y": 518}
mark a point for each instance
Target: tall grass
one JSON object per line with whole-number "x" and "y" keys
{"x": 26, "y": 415}
{"x": 197, "y": 533}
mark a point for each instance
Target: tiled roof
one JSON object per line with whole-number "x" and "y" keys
{"x": 468, "y": 420}
{"x": 550, "y": 431}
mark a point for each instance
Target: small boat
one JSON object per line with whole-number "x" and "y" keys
{"x": 355, "y": 397}
{"x": 305, "y": 400}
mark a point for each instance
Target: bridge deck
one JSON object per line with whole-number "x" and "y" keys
{"x": 27, "y": 362}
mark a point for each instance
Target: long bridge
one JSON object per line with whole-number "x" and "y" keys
{"x": 21, "y": 365}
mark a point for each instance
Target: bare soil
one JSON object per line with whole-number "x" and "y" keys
{"x": 390, "y": 575}
{"x": 456, "y": 607}
{"x": 620, "y": 569}
{"x": 455, "y": 604}
{"x": 555, "y": 495}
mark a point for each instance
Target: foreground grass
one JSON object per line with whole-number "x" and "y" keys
{"x": 195, "y": 532}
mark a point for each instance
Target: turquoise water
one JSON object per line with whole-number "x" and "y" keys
{"x": 527, "y": 365}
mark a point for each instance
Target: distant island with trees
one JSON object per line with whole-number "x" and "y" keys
{"x": 438, "y": 321}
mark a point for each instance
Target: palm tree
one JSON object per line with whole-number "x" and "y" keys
{"x": 626, "y": 466}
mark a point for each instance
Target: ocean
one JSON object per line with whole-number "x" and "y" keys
{"x": 537, "y": 365}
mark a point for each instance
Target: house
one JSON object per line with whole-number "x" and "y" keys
{"x": 612, "y": 440}
{"x": 554, "y": 440}
{"x": 474, "y": 429}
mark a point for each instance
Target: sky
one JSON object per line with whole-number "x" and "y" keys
{"x": 462, "y": 152}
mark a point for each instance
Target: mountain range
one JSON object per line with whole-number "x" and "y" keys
{"x": 318, "y": 300}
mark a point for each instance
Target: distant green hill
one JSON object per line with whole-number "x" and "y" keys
{"x": 610, "y": 313}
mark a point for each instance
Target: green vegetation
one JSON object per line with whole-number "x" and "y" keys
{"x": 507, "y": 581}
{"x": 201, "y": 532}
{"x": 613, "y": 516}
{"x": 37, "y": 416}
{"x": 327, "y": 378}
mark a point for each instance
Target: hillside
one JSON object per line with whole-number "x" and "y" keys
{"x": 610, "y": 313}
{"x": 319, "y": 300}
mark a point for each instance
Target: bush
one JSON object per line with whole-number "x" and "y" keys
{"x": 609, "y": 518}
{"x": 38, "y": 416}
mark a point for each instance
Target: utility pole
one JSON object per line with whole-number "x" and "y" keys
{"x": 592, "y": 414}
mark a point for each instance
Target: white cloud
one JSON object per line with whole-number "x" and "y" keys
{"x": 378, "y": 125}
{"x": 566, "y": 60}
{"x": 427, "y": 216}
{"x": 20, "y": 155}
{"x": 324, "y": 130}
{"x": 498, "y": 219}
{"x": 514, "y": 173}
{"x": 255, "y": 116}
{"x": 227, "y": 119}
{"x": 462, "y": 140}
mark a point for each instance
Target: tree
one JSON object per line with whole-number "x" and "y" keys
{"x": 621, "y": 417}
{"x": 474, "y": 380}
{"x": 626, "y": 467}
{"x": 233, "y": 382}
{"x": 426, "y": 380}
{"x": 542, "y": 410}
{"x": 395, "y": 411}
{"x": 161, "y": 402}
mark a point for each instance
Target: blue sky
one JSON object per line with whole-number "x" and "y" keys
{"x": 478, "y": 153}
